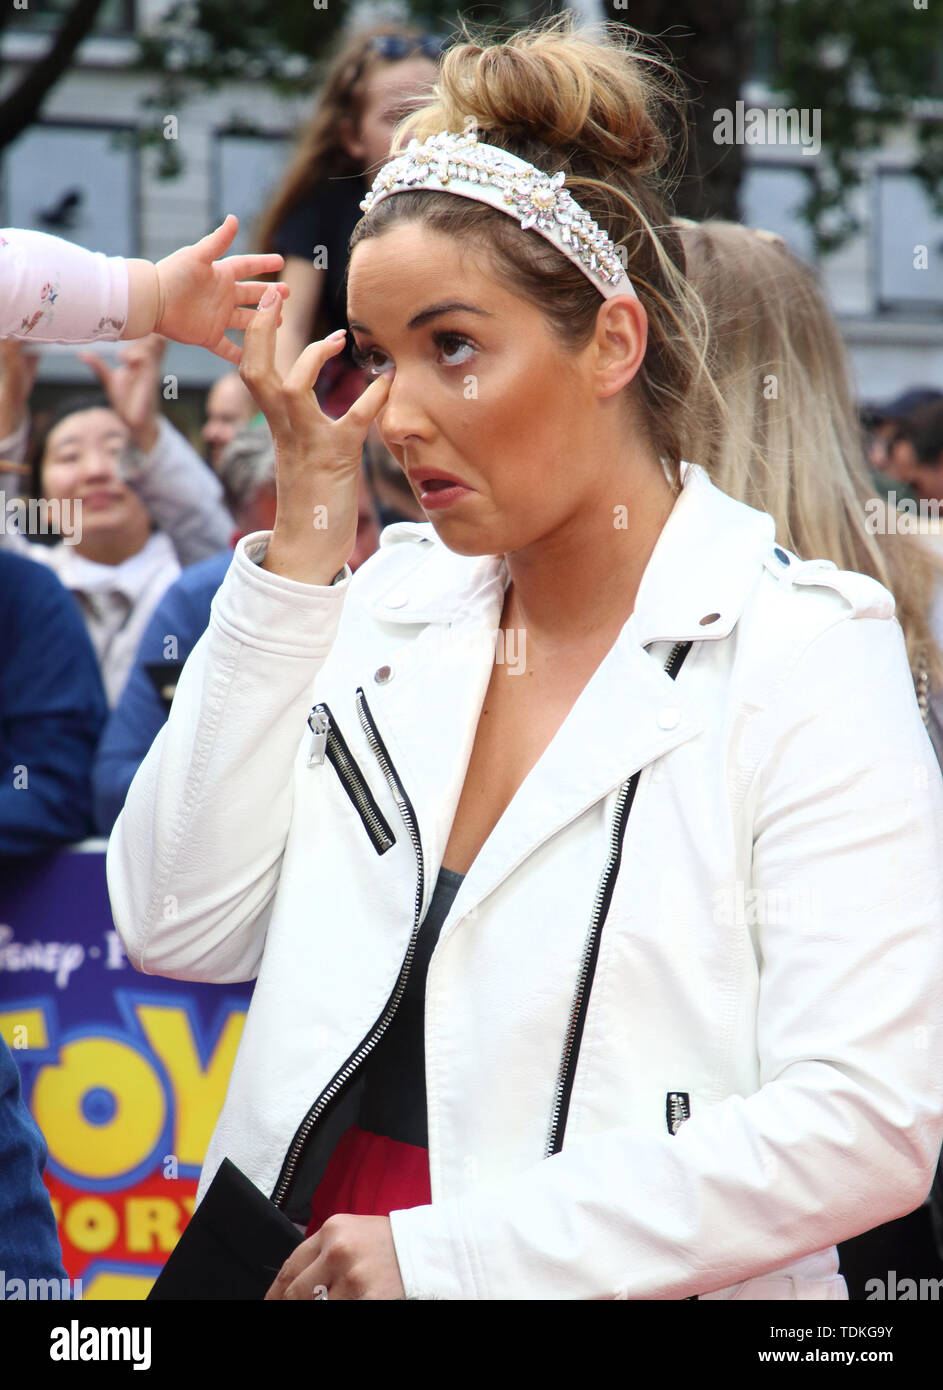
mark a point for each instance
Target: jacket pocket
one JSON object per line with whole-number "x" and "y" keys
{"x": 327, "y": 741}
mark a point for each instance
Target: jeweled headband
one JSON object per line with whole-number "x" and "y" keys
{"x": 451, "y": 163}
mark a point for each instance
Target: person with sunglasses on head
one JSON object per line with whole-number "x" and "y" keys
{"x": 375, "y": 79}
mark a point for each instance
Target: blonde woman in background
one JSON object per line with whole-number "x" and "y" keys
{"x": 789, "y": 442}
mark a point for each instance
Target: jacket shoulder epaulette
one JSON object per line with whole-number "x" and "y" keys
{"x": 863, "y": 595}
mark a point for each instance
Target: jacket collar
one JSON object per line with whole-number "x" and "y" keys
{"x": 705, "y": 562}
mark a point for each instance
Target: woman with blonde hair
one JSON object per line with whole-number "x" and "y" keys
{"x": 590, "y": 899}
{"x": 785, "y": 437}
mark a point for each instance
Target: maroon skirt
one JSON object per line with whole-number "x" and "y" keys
{"x": 370, "y": 1175}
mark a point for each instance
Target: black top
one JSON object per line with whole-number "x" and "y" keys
{"x": 325, "y": 219}
{"x": 394, "y": 1097}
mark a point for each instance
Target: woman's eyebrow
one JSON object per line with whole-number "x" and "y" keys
{"x": 452, "y": 307}
{"x": 70, "y": 439}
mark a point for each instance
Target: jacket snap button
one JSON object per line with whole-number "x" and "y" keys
{"x": 397, "y": 600}
{"x": 669, "y": 719}
{"x": 382, "y": 674}
{"x": 709, "y": 618}
{"x": 781, "y": 555}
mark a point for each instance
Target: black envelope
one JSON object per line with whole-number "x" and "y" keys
{"x": 233, "y": 1246}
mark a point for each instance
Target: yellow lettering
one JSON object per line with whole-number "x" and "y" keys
{"x": 33, "y": 1020}
{"x": 151, "y": 1223}
{"x": 199, "y": 1091}
{"x": 122, "y": 1140}
{"x": 91, "y": 1224}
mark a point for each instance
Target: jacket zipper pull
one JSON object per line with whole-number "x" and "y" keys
{"x": 318, "y": 723}
{"x": 677, "y": 1110}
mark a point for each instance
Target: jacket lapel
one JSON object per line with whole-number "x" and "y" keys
{"x": 630, "y": 712}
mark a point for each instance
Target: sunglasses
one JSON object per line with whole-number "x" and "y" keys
{"x": 394, "y": 47}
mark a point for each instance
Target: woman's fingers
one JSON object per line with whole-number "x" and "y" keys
{"x": 98, "y": 366}
{"x": 274, "y": 396}
{"x": 368, "y": 405}
{"x": 306, "y": 369}
{"x": 257, "y": 367}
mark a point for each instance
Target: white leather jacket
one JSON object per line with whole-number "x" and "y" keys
{"x": 759, "y": 1069}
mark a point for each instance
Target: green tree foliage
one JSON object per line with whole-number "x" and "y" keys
{"x": 867, "y": 66}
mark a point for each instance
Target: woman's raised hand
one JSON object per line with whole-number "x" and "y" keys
{"x": 317, "y": 460}
{"x": 133, "y": 387}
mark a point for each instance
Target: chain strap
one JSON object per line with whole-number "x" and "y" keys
{"x": 922, "y": 687}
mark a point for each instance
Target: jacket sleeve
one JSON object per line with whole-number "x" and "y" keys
{"x": 844, "y": 1131}
{"x": 195, "y": 856}
{"x": 183, "y": 495}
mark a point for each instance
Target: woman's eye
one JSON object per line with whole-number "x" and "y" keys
{"x": 448, "y": 340}
{"x": 366, "y": 359}
{"x": 448, "y": 344}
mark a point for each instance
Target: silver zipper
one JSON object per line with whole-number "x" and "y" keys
{"x": 369, "y": 1043}
{"x": 318, "y": 723}
{"x": 567, "y": 1071}
{"x": 677, "y": 1110}
{"x": 326, "y": 740}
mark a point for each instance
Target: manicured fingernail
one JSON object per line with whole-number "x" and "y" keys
{"x": 338, "y": 333}
{"x": 269, "y": 297}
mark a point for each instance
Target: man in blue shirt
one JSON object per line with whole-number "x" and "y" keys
{"x": 52, "y": 709}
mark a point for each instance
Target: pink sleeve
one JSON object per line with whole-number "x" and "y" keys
{"x": 52, "y": 291}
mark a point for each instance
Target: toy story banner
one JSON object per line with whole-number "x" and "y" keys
{"x": 124, "y": 1073}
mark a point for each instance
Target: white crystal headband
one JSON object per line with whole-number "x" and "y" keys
{"x": 451, "y": 163}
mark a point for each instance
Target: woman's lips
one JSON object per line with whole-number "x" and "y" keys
{"x": 98, "y": 500}
{"x": 437, "y": 493}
